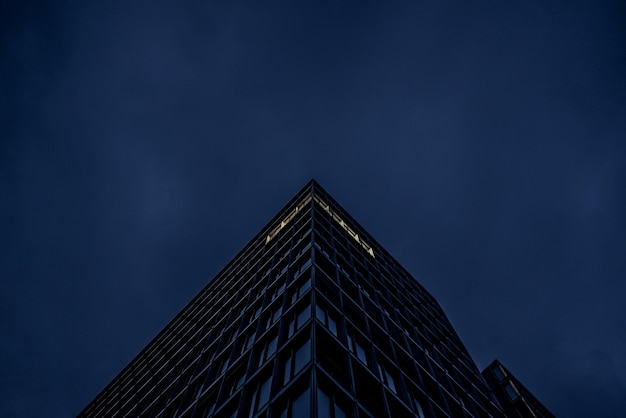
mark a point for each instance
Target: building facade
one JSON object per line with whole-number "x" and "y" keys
{"x": 311, "y": 319}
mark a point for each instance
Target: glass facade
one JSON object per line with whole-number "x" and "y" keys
{"x": 311, "y": 319}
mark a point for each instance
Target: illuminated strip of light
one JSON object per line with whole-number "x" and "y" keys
{"x": 288, "y": 218}
{"x": 345, "y": 226}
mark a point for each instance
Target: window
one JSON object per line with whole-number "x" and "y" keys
{"x": 363, "y": 287}
{"x": 237, "y": 380}
{"x": 296, "y": 360}
{"x": 224, "y": 365}
{"x": 357, "y": 349}
{"x": 208, "y": 404}
{"x": 228, "y": 411}
{"x": 332, "y": 357}
{"x": 248, "y": 343}
{"x": 325, "y": 318}
{"x": 301, "y": 290}
{"x": 387, "y": 378}
{"x": 260, "y": 292}
{"x": 499, "y": 373}
{"x": 228, "y": 337}
{"x": 301, "y": 249}
{"x": 298, "y": 407}
{"x": 278, "y": 291}
{"x": 327, "y": 267}
{"x": 327, "y": 406}
{"x": 285, "y": 265}
{"x": 296, "y": 323}
{"x": 417, "y": 407}
{"x": 256, "y": 313}
{"x": 261, "y": 394}
{"x": 354, "y": 313}
{"x": 274, "y": 316}
{"x": 198, "y": 386}
{"x": 269, "y": 348}
{"x": 511, "y": 391}
{"x": 238, "y": 310}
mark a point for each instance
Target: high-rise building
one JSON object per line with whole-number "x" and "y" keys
{"x": 311, "y": 319}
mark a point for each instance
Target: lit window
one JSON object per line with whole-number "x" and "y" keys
{"x": 341, "y": 222}
{"x": 287, "y": 219}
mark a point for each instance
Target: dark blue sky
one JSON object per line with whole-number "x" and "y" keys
{"x": 142, "y": 144}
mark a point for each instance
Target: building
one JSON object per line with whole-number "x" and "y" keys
{"x": 311, "y": 319}
{"x": 516, "y": 401}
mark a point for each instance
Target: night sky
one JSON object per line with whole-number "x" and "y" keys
{"x": 144, "y": 143}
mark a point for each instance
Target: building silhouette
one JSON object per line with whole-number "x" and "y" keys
{"x": 516, "y": 401}
{"x": 311, "y": 319}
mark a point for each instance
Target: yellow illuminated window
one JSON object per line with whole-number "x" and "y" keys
{"x": 341, "y": 223}
{"x": 288, "y": 219}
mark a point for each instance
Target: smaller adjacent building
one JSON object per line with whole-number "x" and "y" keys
{"x": 516, "y": 401}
